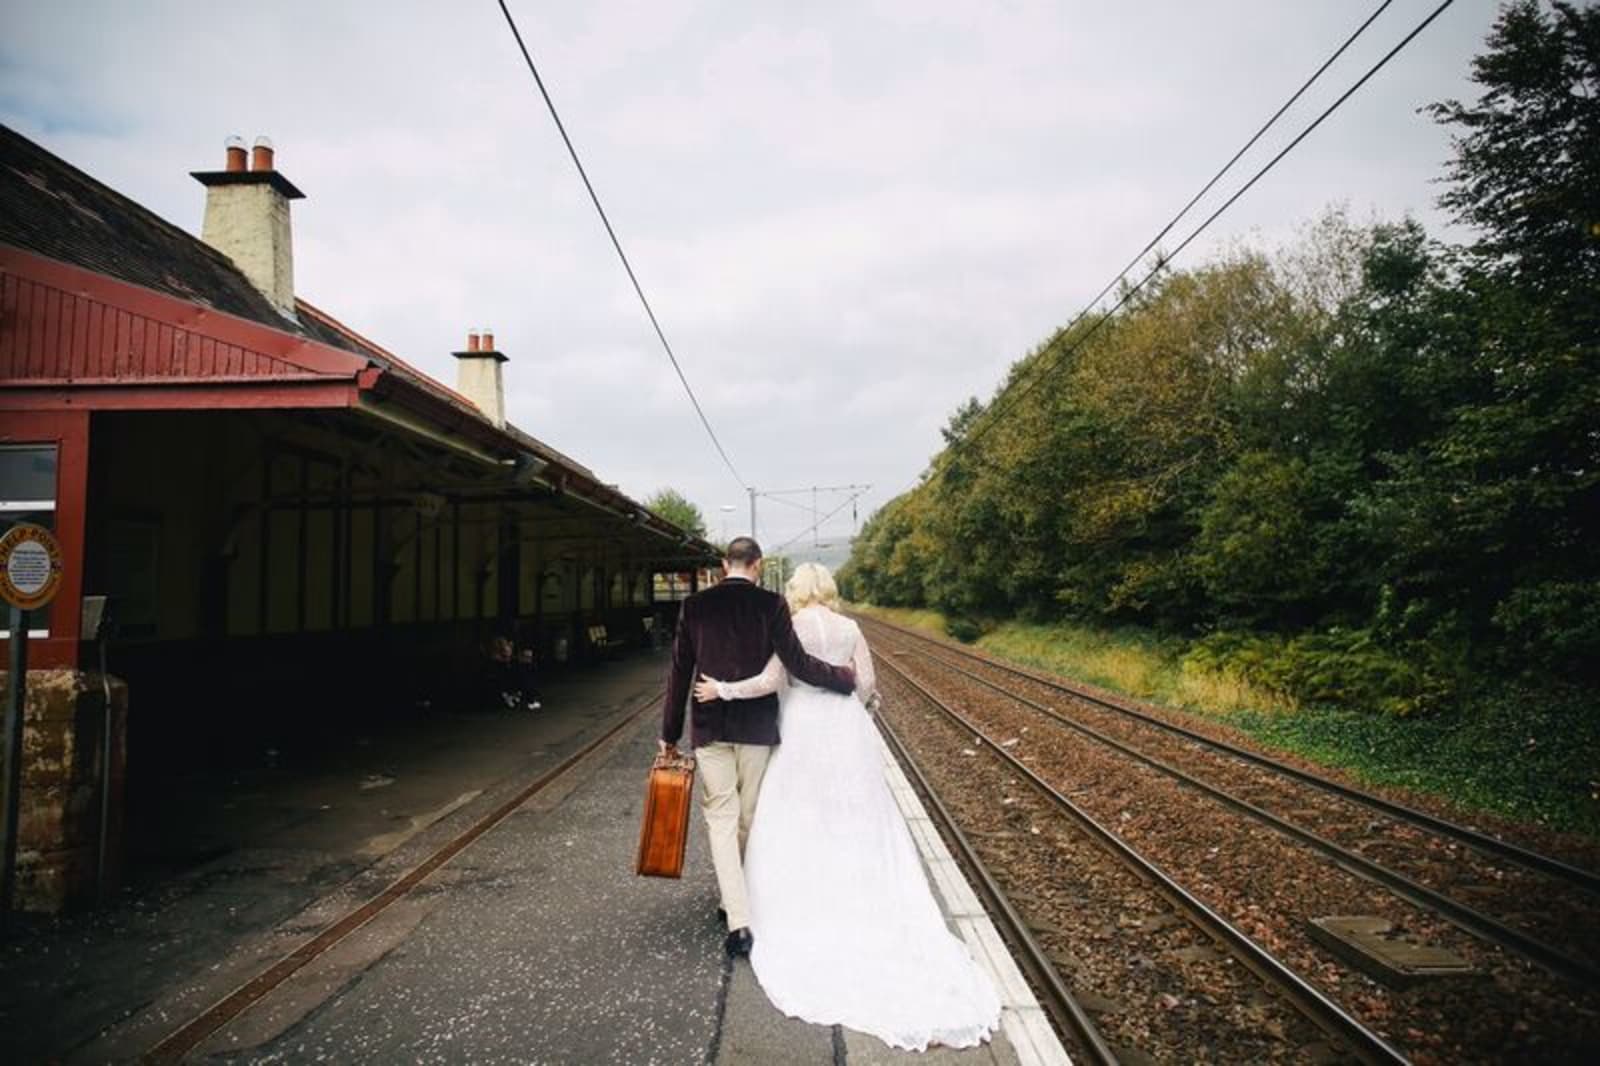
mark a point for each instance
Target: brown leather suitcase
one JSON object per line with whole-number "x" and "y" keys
{"x": 665, "y": 833}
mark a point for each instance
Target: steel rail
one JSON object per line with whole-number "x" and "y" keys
{"x": 1480, "y": 841}
{"x": 1063, "y": 1006}
{"x": 1459, "y": 914}
{"x": 1310, "y": 1001}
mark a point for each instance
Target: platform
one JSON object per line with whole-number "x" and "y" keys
{"x": 535, "y": 944}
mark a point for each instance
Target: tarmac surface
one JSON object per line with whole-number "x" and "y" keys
{"x": 536, "y": 944}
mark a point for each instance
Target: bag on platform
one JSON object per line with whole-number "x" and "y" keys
{"x": 664, "y": 836}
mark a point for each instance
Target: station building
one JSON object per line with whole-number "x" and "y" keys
{"x": 286, "y": 520}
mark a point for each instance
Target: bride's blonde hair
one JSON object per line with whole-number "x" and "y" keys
{"x": 811, "y": 583}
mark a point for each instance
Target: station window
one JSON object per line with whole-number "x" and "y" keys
{"x": 28, "y": 494}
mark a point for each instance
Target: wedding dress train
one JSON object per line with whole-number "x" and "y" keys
{"x": 847, "y": 931}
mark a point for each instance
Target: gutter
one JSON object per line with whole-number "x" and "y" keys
{"x": 404, "y": 402}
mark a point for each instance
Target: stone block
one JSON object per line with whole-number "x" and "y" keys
{"x": 59, "y": 805}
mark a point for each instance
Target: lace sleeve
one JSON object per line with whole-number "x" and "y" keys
{"x": 866, "y": 677}
{"x": 767, "y": 681}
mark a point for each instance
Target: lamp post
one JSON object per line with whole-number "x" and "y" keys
{"x": 726, "y": 509}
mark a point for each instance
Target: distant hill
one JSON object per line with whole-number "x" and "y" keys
{"x": 832, "y": 552}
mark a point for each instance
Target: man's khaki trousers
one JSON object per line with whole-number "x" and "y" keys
{"x": 730, "y": 781}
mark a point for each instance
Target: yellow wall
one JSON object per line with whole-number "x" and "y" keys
{"x": 175, "y": 493}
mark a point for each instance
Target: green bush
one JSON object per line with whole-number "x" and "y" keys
{"x": 1524, "y": 752}
{"x": 963, "y": 629}
{"x": 1553, "y": 627}
{"x": 1340, "y": 668}
{"x": 1526, "y": 747}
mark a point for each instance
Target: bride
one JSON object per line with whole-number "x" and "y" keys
{"x": 846, "y": 929}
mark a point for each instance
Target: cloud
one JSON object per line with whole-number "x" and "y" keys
{"x": 848, "y": 216}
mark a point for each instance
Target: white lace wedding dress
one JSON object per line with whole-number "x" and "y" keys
{"x": 846, "y": 928}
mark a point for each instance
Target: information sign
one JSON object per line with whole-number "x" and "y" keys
{"x": 30, "y": 566}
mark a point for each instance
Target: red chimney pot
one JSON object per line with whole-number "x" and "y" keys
{"x": 235, "y": 154}
{"x": 472, "y": 341}
{"x": 488, "y": 340}
{"x": 261, "y": 155}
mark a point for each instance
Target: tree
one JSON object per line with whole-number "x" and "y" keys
{"x": 1253, "y": 550}
{"x": 1510, "y": 485}
{"x": 1527, "y": 166}
{"x": 675, "y": 507}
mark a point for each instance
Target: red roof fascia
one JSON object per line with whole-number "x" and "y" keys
{"x": 74, "y": 338}
{"x": 187, "y": 394}
{"x": 59, "y": 321}
{"x": 373, "y": 346}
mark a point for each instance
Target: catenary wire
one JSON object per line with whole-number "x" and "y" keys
{"x": 1218, "y": 176}
{"x": 1018, "y": 392}
{"x": 786, "y": 503}
{"x": 817, "y": 524}
{"x": 617, "y": 244}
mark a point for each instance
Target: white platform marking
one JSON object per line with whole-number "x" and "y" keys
{"x": 1021, "y": 1017}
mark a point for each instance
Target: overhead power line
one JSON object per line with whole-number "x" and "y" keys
{"x": 778, "y": 496}
{"x": 1251, "y": 143}
{"x": 813, "y": 489}
{"x": 786, "y": 503}
{"x": 1019, "y": 391}
{"x": 848, "y": 500}
{"x": 617, "y": 244}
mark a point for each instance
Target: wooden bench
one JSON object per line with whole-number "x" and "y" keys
{"x": 600, "y": 641}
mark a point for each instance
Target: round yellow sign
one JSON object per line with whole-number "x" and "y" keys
{"x": 30, "y": 566}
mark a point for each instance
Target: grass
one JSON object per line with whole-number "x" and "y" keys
{"x": 1533, "y": 755}
{"x": 1130, "y": 661}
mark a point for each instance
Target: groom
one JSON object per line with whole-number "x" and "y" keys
{"x": 729, "y": 631}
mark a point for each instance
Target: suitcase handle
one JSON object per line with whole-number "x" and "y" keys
{"x": 677, "y": 760}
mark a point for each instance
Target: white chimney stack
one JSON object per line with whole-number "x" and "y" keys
{"x": 480, "y": 376}
{"x": 247, "y": 219}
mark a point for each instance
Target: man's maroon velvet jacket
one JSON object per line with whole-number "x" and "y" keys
{"x": 728, "y": 632}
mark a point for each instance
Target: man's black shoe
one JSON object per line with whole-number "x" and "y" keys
{"x": 739, "y": 942}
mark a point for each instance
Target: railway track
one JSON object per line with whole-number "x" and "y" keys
{"x": 1536, "y": 891}
{"x": 1350, "y": 1039}
{"x": 193, "y": 1032}
{"x": 1460, "y": 887}
{"x": 1532, "y": 860}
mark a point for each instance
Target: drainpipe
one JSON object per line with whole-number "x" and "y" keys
{"x": 105, "y": 780}
{"x": 96, "y": 627}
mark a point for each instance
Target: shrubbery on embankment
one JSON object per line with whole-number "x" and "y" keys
{"x": 1518, "y": 752}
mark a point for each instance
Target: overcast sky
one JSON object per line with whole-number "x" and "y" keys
{"x": 849, "y": 216}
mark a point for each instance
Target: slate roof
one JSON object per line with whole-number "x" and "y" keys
{"x": 50, "y": 207}
{"x": 102, "y": 230}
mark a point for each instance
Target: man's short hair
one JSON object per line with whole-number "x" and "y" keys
{"x": 743, "y": 551}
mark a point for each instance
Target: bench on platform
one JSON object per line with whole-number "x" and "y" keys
{"x": 601, "y": 641}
